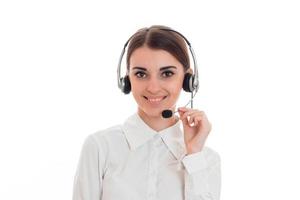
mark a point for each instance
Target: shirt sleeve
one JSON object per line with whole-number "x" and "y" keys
{"x": 202, "y": 175}
{"x": 88, "y": 177}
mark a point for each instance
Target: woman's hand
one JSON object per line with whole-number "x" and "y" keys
{"x": 196, "y": 128}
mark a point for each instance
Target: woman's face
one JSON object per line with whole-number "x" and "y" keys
{"x": 156, "y": 80}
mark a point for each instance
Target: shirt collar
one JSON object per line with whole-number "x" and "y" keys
{"x": 137, "y": 133}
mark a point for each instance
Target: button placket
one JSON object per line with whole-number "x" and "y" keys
{"x": 153, "y": 169}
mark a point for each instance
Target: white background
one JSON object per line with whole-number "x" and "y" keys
{"x": 58, "y": 84}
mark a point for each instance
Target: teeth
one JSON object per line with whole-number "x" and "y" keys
{"x": 155, "y": 99}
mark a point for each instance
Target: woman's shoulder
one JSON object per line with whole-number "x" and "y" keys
{"x": 113, "y": 130}
{"x": 107, "y": 134}
{"x": 100, "y": 141}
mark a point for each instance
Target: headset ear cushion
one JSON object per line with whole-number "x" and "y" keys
{"x": 126, "y": 85}
{"x": 188, "y": 82}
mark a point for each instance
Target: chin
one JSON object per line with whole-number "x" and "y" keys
{"x": 155, "y": 109}
{"x": 151, "y": 112}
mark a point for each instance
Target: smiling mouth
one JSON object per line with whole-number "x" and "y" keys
{"x": 155, "y": 99}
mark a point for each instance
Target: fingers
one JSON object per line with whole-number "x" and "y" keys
{"x": 191, "y": 117}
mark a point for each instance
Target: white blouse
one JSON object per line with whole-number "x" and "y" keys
{"x": 134, "y": 162}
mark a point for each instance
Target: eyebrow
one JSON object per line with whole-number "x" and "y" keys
{"x": 161, "y": 69}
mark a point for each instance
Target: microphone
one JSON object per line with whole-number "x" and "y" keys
{"x": 169, "y": 113}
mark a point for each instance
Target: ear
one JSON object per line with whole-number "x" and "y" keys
{"x": 189, "y": 70}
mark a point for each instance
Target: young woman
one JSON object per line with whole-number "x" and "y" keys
{"x": 149, "y": 156}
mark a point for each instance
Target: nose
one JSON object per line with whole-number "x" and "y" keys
{"x": 153, "y": 85}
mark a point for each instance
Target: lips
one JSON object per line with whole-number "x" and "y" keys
{"x": 155, "y": 99}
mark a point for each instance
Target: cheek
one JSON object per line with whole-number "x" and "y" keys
{"x": 176, "y": 86}
{"x": 136, "y": 87}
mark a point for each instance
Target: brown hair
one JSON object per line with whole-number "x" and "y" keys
{"x": 160, "y": 37}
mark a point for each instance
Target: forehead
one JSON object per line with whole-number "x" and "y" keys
{"x": 152, "y": 58}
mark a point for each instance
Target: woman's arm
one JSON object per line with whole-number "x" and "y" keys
{"x": 202, "y": 175}
{"x": 203, "y": 168}
{"x": 88, "y": 178}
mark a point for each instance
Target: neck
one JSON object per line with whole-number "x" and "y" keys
{"x": 157, "y": 123}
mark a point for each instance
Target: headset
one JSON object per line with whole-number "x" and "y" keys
{"x": 190, "y": 81}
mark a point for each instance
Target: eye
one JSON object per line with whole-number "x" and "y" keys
{"x": 140, "y": 74}
{"x": 167, "y": 73}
